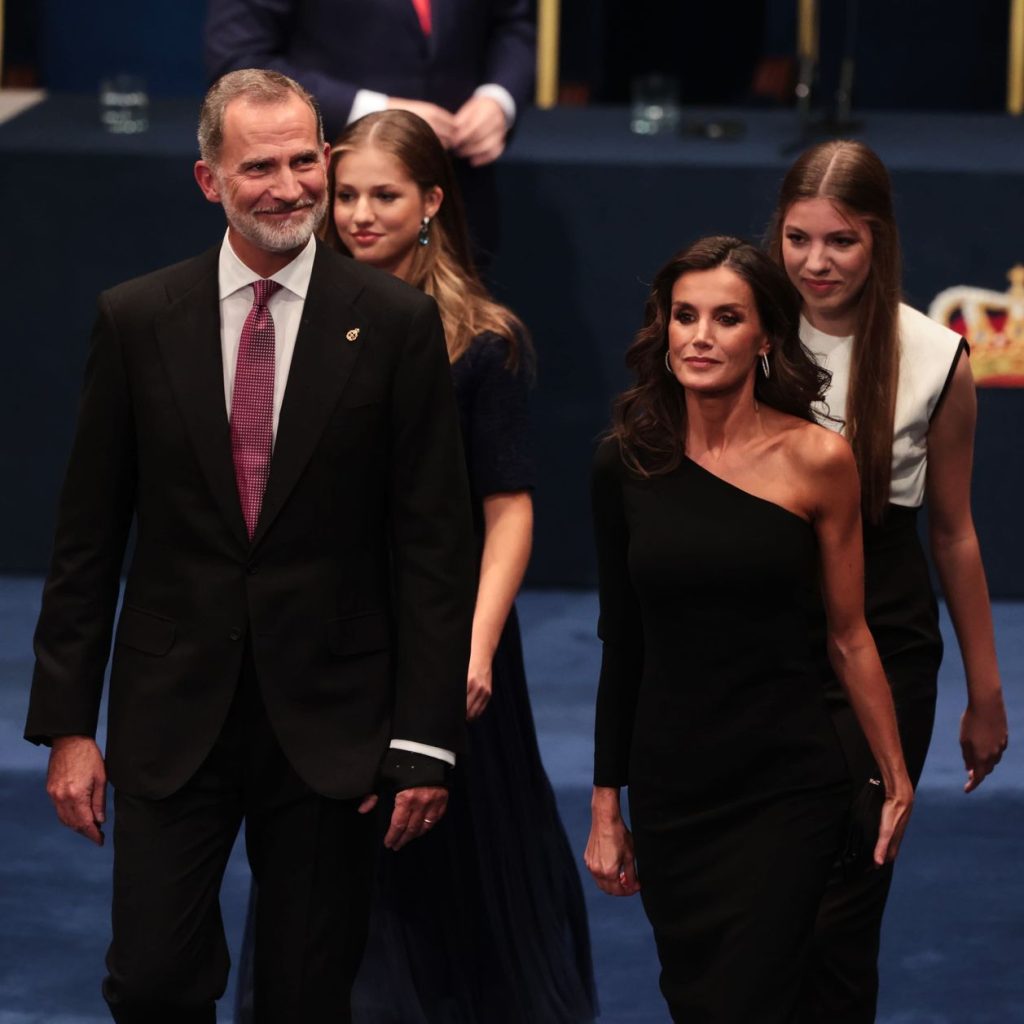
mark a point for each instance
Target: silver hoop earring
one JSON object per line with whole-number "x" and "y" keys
{"x": 425, "y": 231}
{"x": 668, "y": 365}
{"x": 765, "y": 367}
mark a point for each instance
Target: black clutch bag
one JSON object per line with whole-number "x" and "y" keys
{"x": 862, "y": 830}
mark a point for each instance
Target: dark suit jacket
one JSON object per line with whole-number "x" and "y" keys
{"x": 356, "y": 591}
{"x": 336, "y": 47}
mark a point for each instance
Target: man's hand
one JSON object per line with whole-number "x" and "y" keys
{"x": 441, "y": 120}
{"x": 417, "y": 810}
{"x": 76, "y": 782}
{"x": 479, "y": 131}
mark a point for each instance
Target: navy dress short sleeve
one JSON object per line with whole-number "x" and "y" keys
{"x": 493, "y": 403}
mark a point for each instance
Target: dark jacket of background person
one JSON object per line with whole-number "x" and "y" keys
{"x": 337, "y": 47}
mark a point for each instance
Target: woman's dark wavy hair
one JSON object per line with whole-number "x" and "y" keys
{"x": 649, "y": 418}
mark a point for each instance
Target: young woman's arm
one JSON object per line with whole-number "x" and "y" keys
{"x": 954, "y": 547}
{"x": 508, "y": 535}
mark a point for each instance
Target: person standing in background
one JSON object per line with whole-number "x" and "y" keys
{"x": 903, "y": 394}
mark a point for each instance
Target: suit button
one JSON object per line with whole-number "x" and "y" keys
{"x": 252, "y": 569}
{"x": 235, "y": 634}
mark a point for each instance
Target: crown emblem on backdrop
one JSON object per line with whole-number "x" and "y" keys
{"x": 993, "y": 324}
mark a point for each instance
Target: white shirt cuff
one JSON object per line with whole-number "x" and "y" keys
{"x": 367, "y": 102}
{"x": 424, "y": 748}
{"x": 502, "y": 97}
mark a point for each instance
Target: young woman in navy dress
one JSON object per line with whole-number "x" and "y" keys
{"x": 903, "y": 395}
{"x": 482, "y": 920}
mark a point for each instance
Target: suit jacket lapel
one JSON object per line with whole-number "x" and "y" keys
{"x": 188, "y": 334}
{"x": 321, "y": 365}
{"x": 404, "y": 18}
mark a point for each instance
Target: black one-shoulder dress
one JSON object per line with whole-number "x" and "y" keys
{"x": 710, "y": 709}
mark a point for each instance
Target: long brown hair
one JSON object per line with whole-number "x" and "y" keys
{"x": 443, "y": 268}
{"x": 851, "y": 176}
{"x": 649, "y": 418}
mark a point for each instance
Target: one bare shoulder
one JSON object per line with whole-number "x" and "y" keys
{"x": 825, "y": 460}
{"x": 821, "y": 450}
{"x": 808, "y": 447}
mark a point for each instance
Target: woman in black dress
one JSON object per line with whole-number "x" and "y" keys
{"x": 901, "y": 391}
{"x": 721, "y": 513}
{"x": 481, "y": 921}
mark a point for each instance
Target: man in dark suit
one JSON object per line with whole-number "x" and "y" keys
{"x": 465, "y": 66}
{"x": 278, "y": 422}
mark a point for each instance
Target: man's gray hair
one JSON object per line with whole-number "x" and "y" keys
{"x": 256, "y": 85}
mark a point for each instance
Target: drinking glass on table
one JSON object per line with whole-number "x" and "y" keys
{"x": 124, "y": 104}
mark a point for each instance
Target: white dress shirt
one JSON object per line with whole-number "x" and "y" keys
{"x": 285, "y": 305}
{"x": 369, "y": 102}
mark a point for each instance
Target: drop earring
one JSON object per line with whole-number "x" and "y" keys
{"x": 765, "y": 366}
{"x": 425, "y": 231}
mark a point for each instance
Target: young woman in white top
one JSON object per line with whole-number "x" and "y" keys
{"x": 903, "y": 395}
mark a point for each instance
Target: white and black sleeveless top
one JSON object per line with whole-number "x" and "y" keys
{"x": 928, "y": 356}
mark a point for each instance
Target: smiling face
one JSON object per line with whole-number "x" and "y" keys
{"x": 271, "y": 177}
{"x": 826, "y": 250}
{"x": 715, "y": 335}
{"x": 378, "y": 209}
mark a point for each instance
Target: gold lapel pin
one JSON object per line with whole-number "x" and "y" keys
{"x": 353, "y": 334}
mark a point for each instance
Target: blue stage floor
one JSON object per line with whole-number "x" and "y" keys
{"x": 954, "y": 935}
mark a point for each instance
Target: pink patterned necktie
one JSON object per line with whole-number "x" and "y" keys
{"x": 252, "y": 404}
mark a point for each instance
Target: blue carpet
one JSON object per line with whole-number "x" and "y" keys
{"x": 954, "y": 933}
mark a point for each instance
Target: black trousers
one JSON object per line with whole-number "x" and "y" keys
{"x": 841, "y": 981}
{"x": 311, "y": 856}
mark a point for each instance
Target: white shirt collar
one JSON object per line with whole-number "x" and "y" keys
{"x": 234, "y": 275}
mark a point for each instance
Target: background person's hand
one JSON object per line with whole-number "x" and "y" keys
{"x": 441, "y": 120}
{"x": 480, "y": 130}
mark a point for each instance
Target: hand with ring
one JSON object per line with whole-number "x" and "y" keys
{"x": 417, "y": 810}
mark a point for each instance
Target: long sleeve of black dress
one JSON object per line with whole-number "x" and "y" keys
{"x": 619, "y": 625}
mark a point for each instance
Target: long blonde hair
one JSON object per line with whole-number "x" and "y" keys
{"x": 852, "y": 176}
{"x": 443, "y": 268}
